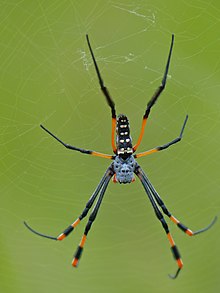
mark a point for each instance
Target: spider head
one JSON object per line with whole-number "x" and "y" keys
{"x": 124, "y": 169}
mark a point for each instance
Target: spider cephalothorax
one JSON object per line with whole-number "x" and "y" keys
{"x": 123, "y": 169}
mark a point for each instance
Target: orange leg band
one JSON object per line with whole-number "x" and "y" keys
{"x": 144, "y": 121}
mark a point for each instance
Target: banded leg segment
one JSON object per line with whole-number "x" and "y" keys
{"x": 165, "y": 146}
{"x": 113, "y": 135}
{"x": 88, "y": 152}
{"x": 89, "y": 204}
{"x": 160, "y": 217}
{"x": 106, "y": 94}
{"x": 92, "y": 218}
{"x": 160, "y": 202}
{"x": 86, "y": 209}
{"x": 176, "y": 255}
{"x": 79, "y": 251}
{"x": 155, "y": 97}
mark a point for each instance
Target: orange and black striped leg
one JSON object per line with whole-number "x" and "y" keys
{"x": 144, "y": 121}
{"x": 160, "y": 217}
{"x": 186, "y": 229}
{"x": 92, "y": 218}
{"x": 88, "y": 152}
{"x": 176, "y": 256}
{"x": 63, "y": 235}
{"x": 89, "y": 204}
{"x": 165, "y": 146}
{"x": 113, "y": 134}
{"x": 167, "y": 213}
{"x": 155, "y": 97}
{"x": 106, "y": 94}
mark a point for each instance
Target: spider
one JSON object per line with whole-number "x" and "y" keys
{"x": 123, "y": 168}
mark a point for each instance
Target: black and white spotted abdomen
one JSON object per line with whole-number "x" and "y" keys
{"x": 123, "y": 138}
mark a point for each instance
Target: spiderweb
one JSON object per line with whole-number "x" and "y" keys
{"x": 47, "y": 77}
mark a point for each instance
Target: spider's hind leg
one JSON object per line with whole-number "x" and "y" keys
{"x": 155, "y": 96}
{"x": 106, "y": 94}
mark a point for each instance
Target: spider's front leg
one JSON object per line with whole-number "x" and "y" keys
{"x": 179, "y": 224}
{"x": 92, "y": 218}
{"x": 89, "y": 204}
{"x": 160, "y": 217}
{"x": 156, "y": 201}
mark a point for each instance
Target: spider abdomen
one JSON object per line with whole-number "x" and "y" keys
{"x": 123, "y": 138}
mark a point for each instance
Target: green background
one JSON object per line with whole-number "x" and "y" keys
{"x": 47, "y": 77}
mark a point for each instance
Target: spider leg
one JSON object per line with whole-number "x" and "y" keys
{"x": 155, "y": 97}
{"x": 165, "y": 146}
{"x": 106, "y": 94}
{"x": 38, "y": 233}
{"x": 160, "y": 217}
{"x": 89, "y": 204}
{"x": 88, "y": 152}
{"x": 92, "y": 218}
{"x": 167, "y": 213}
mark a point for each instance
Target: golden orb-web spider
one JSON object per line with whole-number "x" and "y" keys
{"x": 123, "y": 168}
